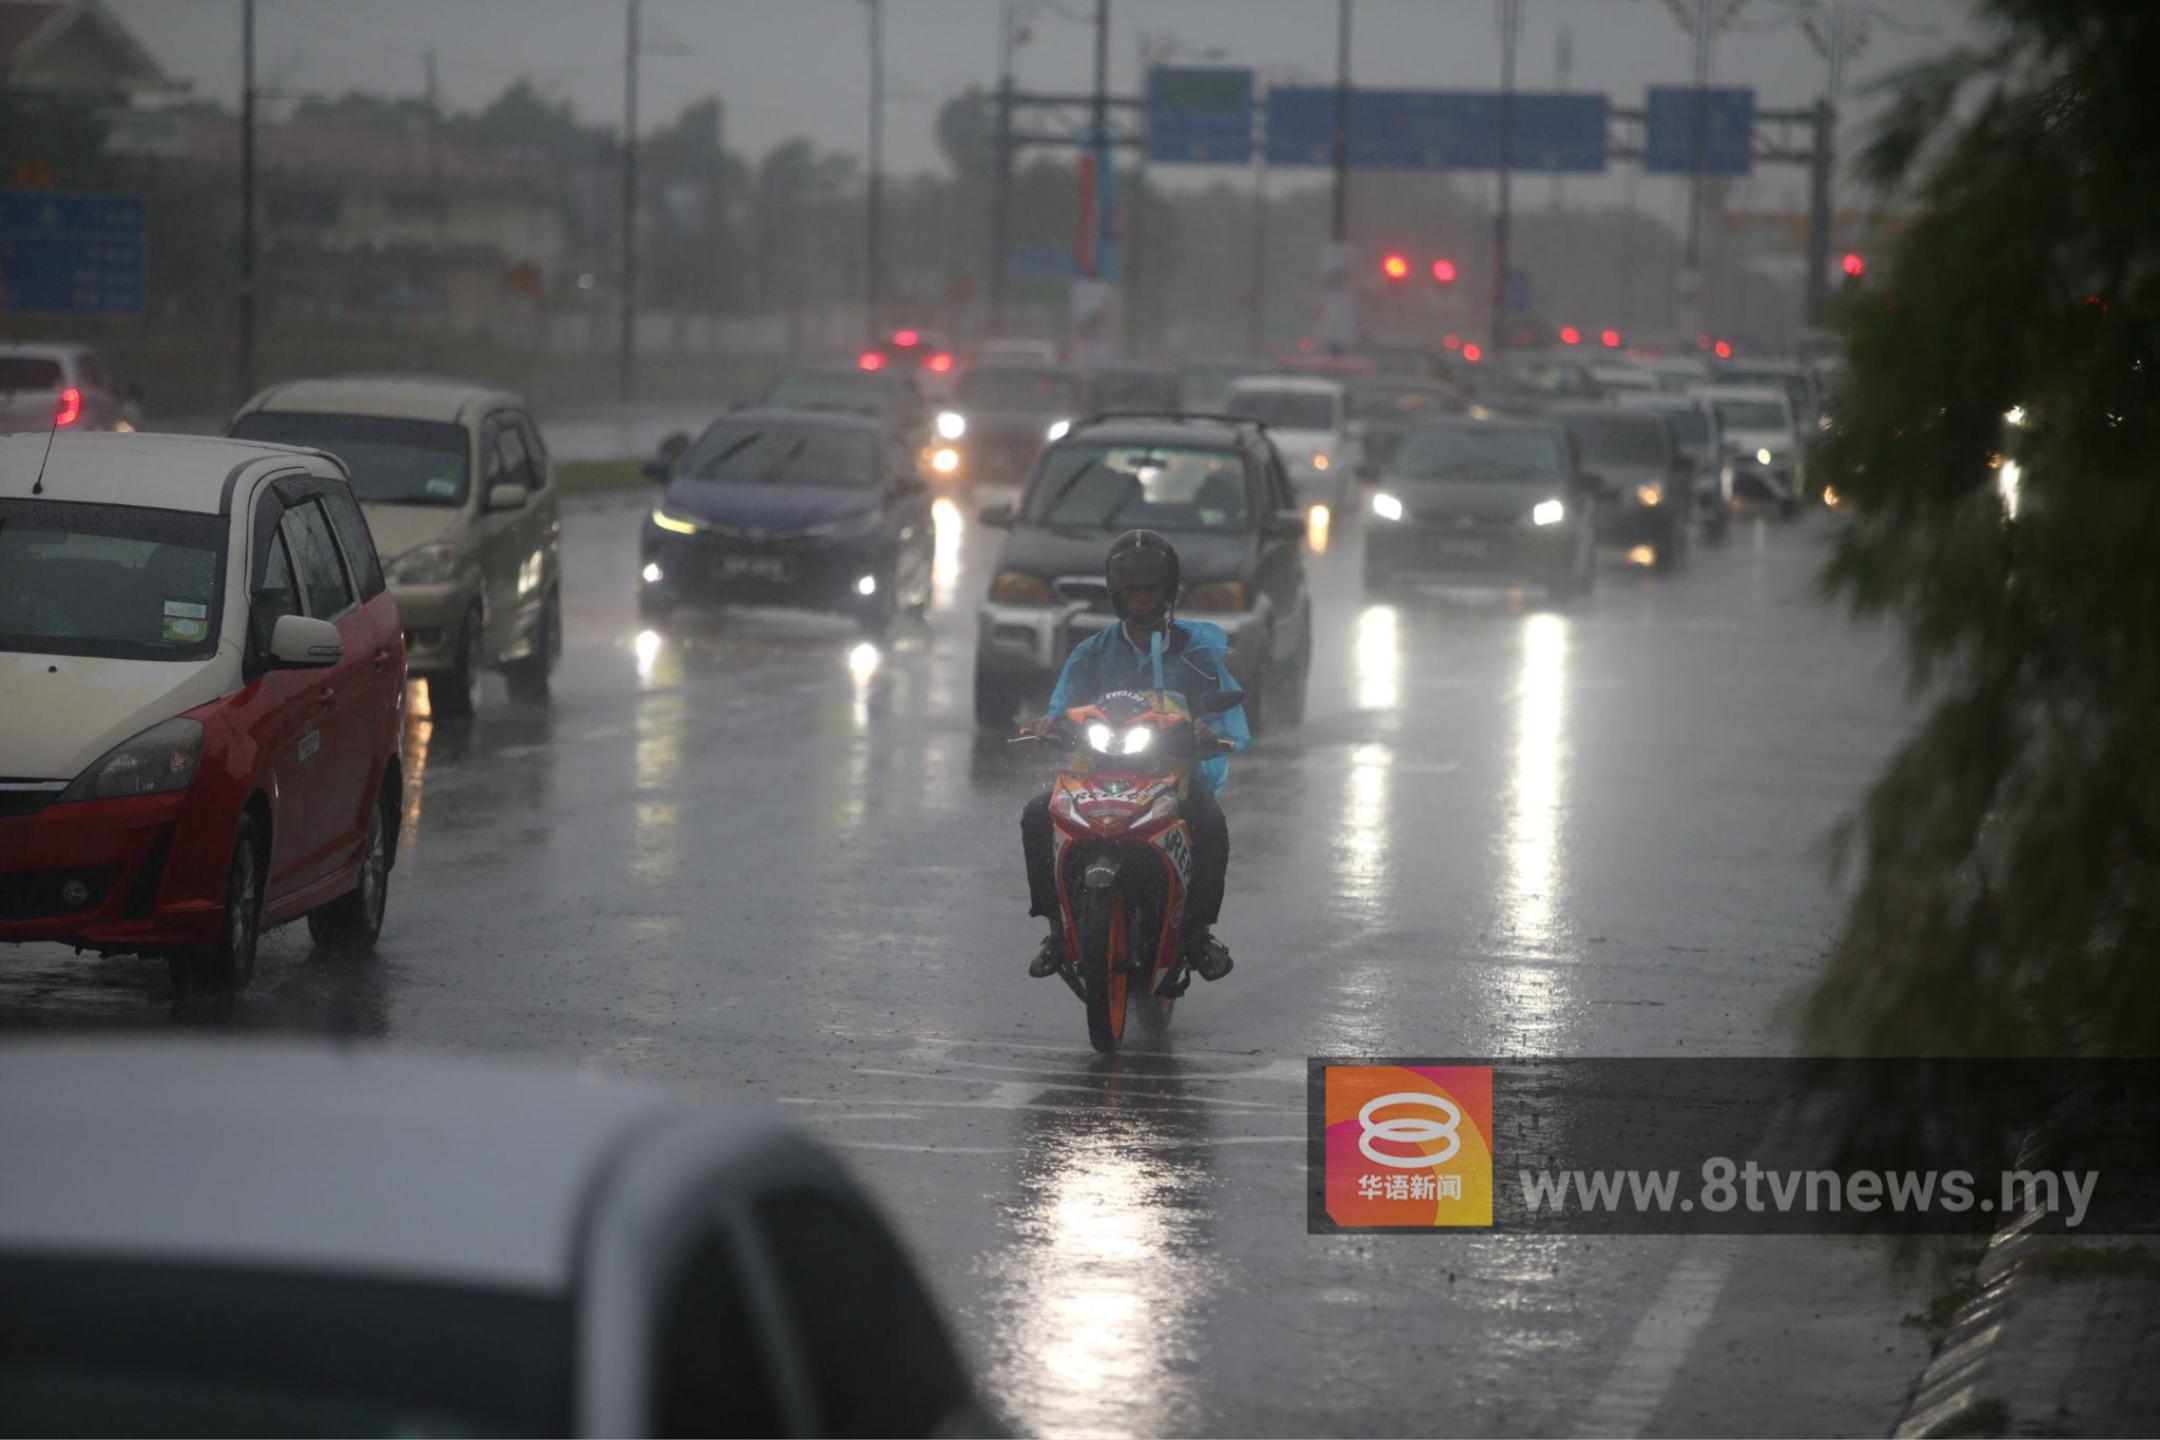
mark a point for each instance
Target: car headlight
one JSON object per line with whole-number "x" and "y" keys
{"x": 951, "y": 424}
{"x": 945, "y": 460}
{"x": 160, "y": 760}
{"x": 861, "y": 523}
{"x": 430, "y": 564}
{"x": 1217, "y": 595}
{"x": 1650, "y": 494}
{"x": 1386, "y": 506}
{"x": 679, "y": 524}
{"x": 1548, "y": 512}
{"x": 1762, "y": 457}
{"x": 1320, "y": 460}
{"x": 1057, "y": 430}
{"x": 1018, "y": 587}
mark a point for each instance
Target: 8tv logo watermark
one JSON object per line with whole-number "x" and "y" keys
{"x": 1405, "y": 1145}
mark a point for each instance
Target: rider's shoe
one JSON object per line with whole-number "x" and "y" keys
{"x": 1048, "y": 958}
{"x": 1207, "y": 955}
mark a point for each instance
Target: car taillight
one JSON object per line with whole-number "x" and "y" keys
{"x": 941, "y": 363}
{"x": 871, "y": 360}
{"x": 70, "y": 407}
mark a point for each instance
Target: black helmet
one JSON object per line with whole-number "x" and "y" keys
{"x": 1142, "y": 557}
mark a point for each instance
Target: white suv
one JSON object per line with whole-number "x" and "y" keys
{"x": 1308, "y": 418}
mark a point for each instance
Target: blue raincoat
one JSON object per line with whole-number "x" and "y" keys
{"x": 1191, "y": 662}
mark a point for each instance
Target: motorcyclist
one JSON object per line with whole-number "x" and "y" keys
{"x": 1142, "y": 572}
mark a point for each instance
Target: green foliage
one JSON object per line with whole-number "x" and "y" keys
{"x": 2008, "y": 857}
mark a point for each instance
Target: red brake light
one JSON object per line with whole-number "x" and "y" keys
{"x": 905, "y": 339}
{"x": 871, "y": 360}
{"x": 941, "y": 363}
{"x": 1451, "y": 340}
{"x": 1569, "y": 335}
{"x": 1611, "y": 339}
{"x": 1472, "y": 353}
{"x": 1724, "y": 350}
{"x": 1443, "y": 270}
{"x": 1853, "y": 264}
{"x": 70, "y": 407}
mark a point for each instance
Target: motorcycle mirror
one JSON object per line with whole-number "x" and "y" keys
{"x": 1222, "y": 702}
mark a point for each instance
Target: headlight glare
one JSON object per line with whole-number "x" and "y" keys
{"x": 1102, "y": 737}
{"x": 1138, "y": 739}
{"x": 1762, "y": 457}
{"x": 951, "y": 424}
{"x": 676, "y": 523}
{"x": 945, "y": 460}
{"x": 1548, "y": 512}
{"x": 159, "y": 760}
{"x": 1386, "y": 506}
{"x": 1057, "y": 430}
{"x": 1650, "y": 494}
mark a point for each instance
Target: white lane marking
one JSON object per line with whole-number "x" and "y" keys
{"x": 1637, "y": 1385}
{"x": 921, "y": 1149}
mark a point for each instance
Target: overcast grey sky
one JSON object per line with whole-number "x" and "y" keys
{"x": 799, "y": 67}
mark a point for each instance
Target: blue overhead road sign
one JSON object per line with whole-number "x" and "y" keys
{"x": 79, "y": 256}
{"x": 1200, "y": 116}
{"x": 1438, "y": 129}
{"x": 1728, "y": 130}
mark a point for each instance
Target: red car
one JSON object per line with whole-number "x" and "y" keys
{"x": 205, "y": 684}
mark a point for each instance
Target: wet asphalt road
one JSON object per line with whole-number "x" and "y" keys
{"x": 761, "y": 856}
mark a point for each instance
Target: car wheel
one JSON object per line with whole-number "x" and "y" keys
{"x": 876, "y": 618}
{"x": 354, "y": 919}
{"x": 529, "y": 676}
{"x": 230, "y": 963}
{"x": 455, "y": 693}
{"x": 1259, "y": 704}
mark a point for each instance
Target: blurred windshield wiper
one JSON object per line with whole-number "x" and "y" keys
{"x": 706, "y": 467}
{"x": 1050, "y": 507}
{"x": 1125, "y": 497}
{"x": 772, "y": 472}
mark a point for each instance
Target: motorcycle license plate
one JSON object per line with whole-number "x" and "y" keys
{"x": 753, "y": 567}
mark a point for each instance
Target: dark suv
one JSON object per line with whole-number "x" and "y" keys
{"x": 1216, "y": 487}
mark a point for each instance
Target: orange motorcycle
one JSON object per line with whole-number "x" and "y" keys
{"x": 1122, "y": 851}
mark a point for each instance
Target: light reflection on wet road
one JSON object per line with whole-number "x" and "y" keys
{"x": 756, "y": 853}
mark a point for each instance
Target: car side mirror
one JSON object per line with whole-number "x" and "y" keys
{"x": 997, "y": 517}
{"x": 302, "y": 642}
{"x": 508, "y": 497}
{"x": 671, "y": 448}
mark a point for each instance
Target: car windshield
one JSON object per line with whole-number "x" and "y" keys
{"x": 28, "y": 372}
{"x": 742, "y": 453}
{"x": 111, "y": 1347}
{"x": 122, "y": 582}
{"x": 1052, "y": 394}
{"x": 1548, "y": 377}
{"x": 393, "y": 462}
{"x": 1283, "y": 408}
{"x": 1619, "y": 439}
{"x": 1750, "y": 414}
{"x": 856, "y": 394}
{"x": 1400, "y": 404}
{"x": 1151, "y": 487}
{"x": 1691, "y": 423}
{"x": 1479, "y": 452}
{"x": 1205, "y": 387}
{"x": 1794, "y": 386}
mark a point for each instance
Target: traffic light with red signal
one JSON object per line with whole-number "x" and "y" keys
{"x": 1396, "y": 267}
{"x": 1854, "y": 267}
{"x": 1443, "y": 271}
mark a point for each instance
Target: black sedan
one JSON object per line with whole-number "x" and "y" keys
{"x": 776, "y": 507}
{"x": 1483, "y": 500}
{"x": 1217, "y": 489}
{"x": 1647, "y": 485}
{"x": 1002, "y": 415}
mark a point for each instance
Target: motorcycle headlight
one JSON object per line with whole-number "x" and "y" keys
{"x": 1548, "y": 512}
{"x": 431, "y": 564}
{"x": 680, "y": 525}
{"x": 1102, "y": 738}
{"x": 1386, "y": 506}
{"x": 847, "y": 527}
{"x": 1138, "y": 739}
{"x": 1221, "y": 596}
{"x": 159, "y": 760}
{"x": 951, "y": 424}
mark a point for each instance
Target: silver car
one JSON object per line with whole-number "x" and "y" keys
{"x": 277, "y": 1239}
{"x": 71, "y": 386}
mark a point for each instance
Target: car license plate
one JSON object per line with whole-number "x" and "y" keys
{"x": 1462, "y": 549}
{"x": 753, "y": 567}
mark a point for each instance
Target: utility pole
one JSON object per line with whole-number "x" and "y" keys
{"x": 1001, "y": 164}
{"x": 626, "y": 381}
{"x": 1338, "y": 311}
{"x": 1099, "y": 138}
{"x": 1563, "y": 71}
{"x": 434, "y": 132}
{"x": 1510, "y": 31}
{"x": 874, "y": 198}
{"x": 244, "y": 301}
